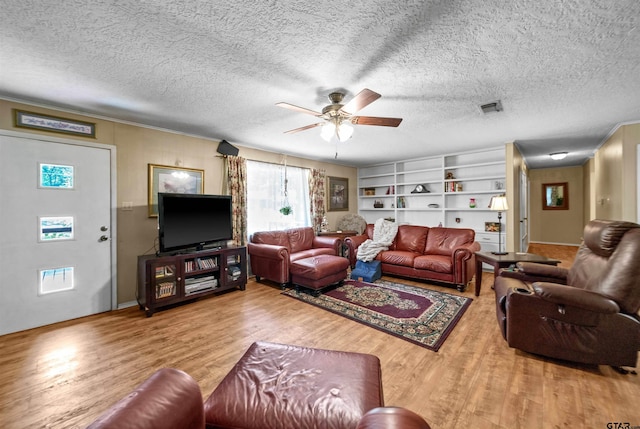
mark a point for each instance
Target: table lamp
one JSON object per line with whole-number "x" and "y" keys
{"x": 499, "y": 204}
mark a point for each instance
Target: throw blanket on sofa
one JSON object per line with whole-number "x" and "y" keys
{"x": 384, "y": 232}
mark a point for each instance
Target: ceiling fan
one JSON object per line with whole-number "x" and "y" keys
{"x": 338, "y": 117}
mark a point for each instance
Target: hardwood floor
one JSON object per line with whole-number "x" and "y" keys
{"x": 64, "y": 375}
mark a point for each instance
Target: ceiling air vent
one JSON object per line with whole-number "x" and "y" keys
{"x": 496, "y": 106}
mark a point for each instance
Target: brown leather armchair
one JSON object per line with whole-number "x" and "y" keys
{"x": 586, "y": 314}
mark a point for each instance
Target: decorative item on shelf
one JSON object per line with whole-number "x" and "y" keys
{"x": 324, "y": 225}
{"x": 433, "y": 206}
{"x": 449, "y": 175}
{"x": 420, "y": 189}
{"x": 499, "y": 185}
{"x": 402, "y": 204}
{"x": 369, "y": 191}
{"x": 491, "y": 226}
{"x": 453, "y": 187}
{"x": 499, "y": 203}
{"x": 472, "y": 203}
{"x": 391, "y": 190}
{"x": 390, "y": 219}
{"x": 378, "y": 204}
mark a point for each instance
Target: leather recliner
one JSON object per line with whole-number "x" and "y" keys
{"x": 586, "y": 314}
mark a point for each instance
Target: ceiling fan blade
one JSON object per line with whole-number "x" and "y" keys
{"x": 360, "y": 101}
{"x": 307, "y": 127}
{"x": 374, "y": 120}
{"x": 298, "y": 109}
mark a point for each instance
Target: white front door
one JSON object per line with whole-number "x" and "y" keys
{"x": 55, "y": 230}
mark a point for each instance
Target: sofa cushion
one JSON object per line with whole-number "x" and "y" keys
{"x": 435, "y": 263}
{"x": 397, "y": 257}
{"x": 276, "y": 238}
{"x": 369, "y": 231}
{"x": 411, "y": 238}
{"x": 303, "y": 254}
{"x": 442, "y": 241}
{"x": 300, "y": 238}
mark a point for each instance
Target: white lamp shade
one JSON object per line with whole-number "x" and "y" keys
{"x": 499, "y": 203}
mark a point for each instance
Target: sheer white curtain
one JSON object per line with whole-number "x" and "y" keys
{"x": 265, "y": 197}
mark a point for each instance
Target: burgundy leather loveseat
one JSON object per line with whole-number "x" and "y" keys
{"x": 272, "y": 252}
{"x": 439, "y": 254}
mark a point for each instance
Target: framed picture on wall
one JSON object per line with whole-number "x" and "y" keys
{"x": 338, "y": 195}
{"x": 176, "y": 180}
{"x": 555, "y": 196}
{"x": 54, "y": 124}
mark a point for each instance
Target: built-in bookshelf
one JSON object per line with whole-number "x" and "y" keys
{"x": 169, "y": 280}
{"x": 452, "y": 190}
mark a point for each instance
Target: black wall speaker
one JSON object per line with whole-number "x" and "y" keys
{"x": 227, "y": 148}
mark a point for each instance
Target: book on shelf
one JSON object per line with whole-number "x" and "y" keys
{"x": 165, "y": 289}
{"x": 164, "y": 270}
{"x": 206, "y": 263}
{"x": 200, "y": 264}
{"x": 234, "y": 273}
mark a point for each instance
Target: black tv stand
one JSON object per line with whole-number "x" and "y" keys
{"x": 165, "y": 280}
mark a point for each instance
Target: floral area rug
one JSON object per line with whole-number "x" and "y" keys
{"x": 421, "y": 316}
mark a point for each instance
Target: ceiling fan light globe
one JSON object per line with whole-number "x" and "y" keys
{"x": 344, "y": 131}
{"x": 327, "y": 131}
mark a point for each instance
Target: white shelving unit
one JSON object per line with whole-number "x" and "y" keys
{"x": 388, "y": 190}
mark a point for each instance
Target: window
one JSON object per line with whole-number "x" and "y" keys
{"x": 265, "y": 197}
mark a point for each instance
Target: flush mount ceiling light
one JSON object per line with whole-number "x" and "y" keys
{"x": 495, "y": 106}
{"x": 556, "y": 156}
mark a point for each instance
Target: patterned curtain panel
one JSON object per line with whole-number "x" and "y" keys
{"x": 316, "y": 196}
{"x": 237, "y": 187}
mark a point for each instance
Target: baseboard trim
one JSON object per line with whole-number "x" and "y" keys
{"x": 123, "y": 305}
{"x": 555, "y": 244}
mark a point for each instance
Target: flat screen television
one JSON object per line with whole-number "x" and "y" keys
{"x": 193, "y": 220}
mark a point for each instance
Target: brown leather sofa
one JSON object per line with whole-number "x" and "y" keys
{"x": 298, "y": 397}
{"x": 439, "y": 254}
{"x": 272, "y": 252}
{"x": 588, "y": 313}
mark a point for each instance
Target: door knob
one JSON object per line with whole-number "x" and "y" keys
{"x": 104, "y": 238}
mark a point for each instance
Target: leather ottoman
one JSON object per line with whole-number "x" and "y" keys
{"x": 318, "y": 272}
{"x": 292, "y": 387}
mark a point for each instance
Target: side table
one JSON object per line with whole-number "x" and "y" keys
{"x": 504, "y": 261}
{"x": 340, "y": 234}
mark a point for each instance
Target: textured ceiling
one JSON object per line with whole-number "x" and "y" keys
{"x": 567, "y": 72}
